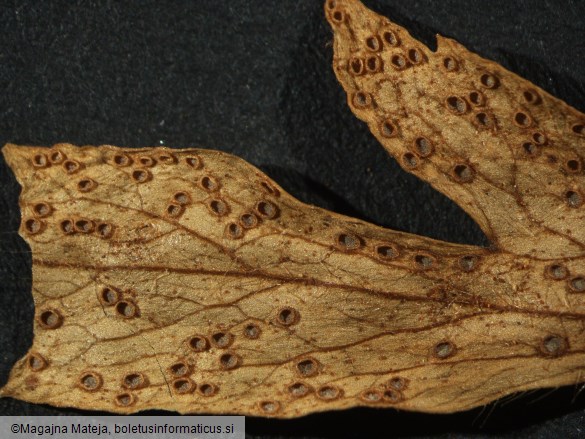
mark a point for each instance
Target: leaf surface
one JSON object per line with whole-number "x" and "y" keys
{"x": 187, "y": 280}
{"x": 506, "y": 151}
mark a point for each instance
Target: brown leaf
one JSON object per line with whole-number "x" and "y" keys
{"x": 187, "y": 280}
{"x": 506, "y": 151}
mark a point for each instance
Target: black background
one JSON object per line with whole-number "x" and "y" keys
{"x": 254, "y": 78}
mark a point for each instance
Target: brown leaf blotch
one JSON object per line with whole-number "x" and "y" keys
{"x": 222, "y": 339}
{"x": 539, "y": 138}
{"x": 424, "y": 261}
{"x": 86, "y": 185}
{"x": 578, "y": 129}
{"x": 463, "y": 173}
{"x": 166, "y": 158}
{"x": 194, "y": 161}
{"x": 329, "y": 392}
{"x": 179, "y": 369}
{"x": 40, "y": 161}
{"x": 416, "y": 56}
{"x": 489, "y": 81}
{"x": 269, "y": 188}
{"x": 457, "y": 105}
{"x": 410, "y": 161}
{"x": 90, "y": 381}
{"x": 288, "y": 316}
{"x": 42, "y": 210}
{"x": 182, "y": 198}
{"x": 267, "y": 209}
{"x": 207, "y": 389}
{"x": 183, "y": 386}
{"x": 248, "y": 220}
{"x": 269, "y": 407}
{"x": 398, "y": 383}
{"x": 234, "y": 231}
{"x": 577, "y": 284}
{"x": 198, "y": 343}
{"x": 104, "y": 230}
{"x": 349, "y": 241}
{"x": 57, "y": 157}
{"x": 371, "y": 396}
{"x": 36, "y": 362}
{"x": 391, "y": 38}
{"x": 127, "y": 309}
{"x": 141, "y": 175}
{"x": 307, "y": 367}
{"x": 299, "y": 389}
{"x": 531, "y": 96}
{"x": 125, "y": 399}
{"x": 209, "y": 184}
{"x": 556, "y": 271}
{"x": 444, "y": 350}
{"x": 109, "y": 296}
{"x": 573, "y": 199}
{"x": 146, "y": 161}
{"x": 134, "y": 380}
{"x": 399, "y": 61}
{"x": 522, "y": 120}
{"x": 72, "y": 166}
{"x": 230, "y": 360}
{"x": 477, "y": 98}
{"x": 423, "y": 147}
{"x": 218, "y": 207}
{"x": 50, "y": 319}
{"x": 34, "y": 226}
{"x": 83, "y": 225}
{"x": 373, "y": 43}
{"x": 387, "y": 251}
{"x": 554, "y": 346}
{"x": 468, "y": 263}
{"x": 362, "y": 99}
{"x": 175, "y": 210}
{"x": 392, "y": 396}
{"x": 122, "y": 160}
{"x": 252, "y": 331}
{"x": 388, "y": 128}
{"x": 67, "y": 227}
{"x": 450, "y": 64}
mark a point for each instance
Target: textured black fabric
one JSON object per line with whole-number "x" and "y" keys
{"x": 254, "y": 78}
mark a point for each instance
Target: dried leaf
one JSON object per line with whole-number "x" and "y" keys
{"x": 506, "y": 151}
{"x": 187, "y": 280}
